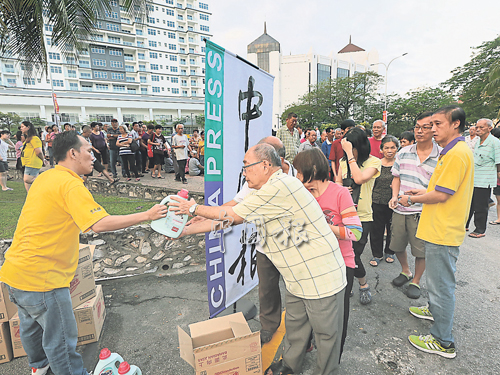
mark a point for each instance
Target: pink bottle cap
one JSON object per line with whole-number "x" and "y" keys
{"x": 124, "y": 368}
{"x": 105, "y": 353}
{"x": 183, "y": 193}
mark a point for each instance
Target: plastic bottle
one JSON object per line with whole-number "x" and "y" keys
{"x": 108, "y": 363}
{"x": 172, "y": 224}
{"x": 126, "y": 369}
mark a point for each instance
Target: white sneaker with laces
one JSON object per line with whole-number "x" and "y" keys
{"x": 40, "y": 371}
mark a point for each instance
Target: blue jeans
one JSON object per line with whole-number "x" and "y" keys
{"x": 48, "y": 330}
{"x": 440, "y": 267}
{"x": 113, "y": 157}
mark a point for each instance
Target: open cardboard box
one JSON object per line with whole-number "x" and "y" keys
{"x": 7, "y": 308}
{"x": 222, "y": 346}
{"x": 82, "y": 287}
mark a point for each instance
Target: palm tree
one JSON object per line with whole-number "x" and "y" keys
{"x": 22, "y": 25}
{"x": 492, "y": 89}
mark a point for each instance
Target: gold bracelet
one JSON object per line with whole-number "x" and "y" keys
{"x": 352, "y": 161}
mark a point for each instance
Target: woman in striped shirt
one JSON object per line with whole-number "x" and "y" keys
{"x": 123, "y": 142}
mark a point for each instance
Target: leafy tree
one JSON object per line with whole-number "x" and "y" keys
{"x": 10, "y": 121}
{"x": 22, "y": 25}
{"x": 200, "y": 120}
{"x": 38, "y": 122}
{"x": 469, "y": 82}
{"x": 492, "y": 89}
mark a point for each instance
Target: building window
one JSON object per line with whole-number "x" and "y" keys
{"x": 101, "y": 87}
{"x": 173, "y": 58}
{"x": 138, "y": 32}
{"x": 87, "y": 87}
{"x": 54, "y": 69}
{"x": 29, "y": 81}
{"x": 170, "y": 12}
{"x": 193, "y": 82}
{"x": 144, "y": 90}
{"x": 131, "y": 90}
{"x": 175, "y": 91}
{"x": 49, "y": 27}
{"x": 324, "y": 72}
{"x": 184, "y": 93}
{"x": 183, "y": 62}
{"x": 143, "y": 79}
{"x": 119, "y": 76}
{"x": 152, "y": 43}
{"x": 192, "y": 72}
{"x": 156, "y": 89}
{"x": 175, "y": 80}
{"x": 342, "y": 73}
{"x": 170, "y": 23}
{"x": 171, "y": 35}
{"x": 112, "y": 27}
{"x": 193, "y": 92}
{"x": 71, "y": 73}
{"x": 203, "y": 6}
{"x": 115, "y": 52}
{"x": 151, "y": 32}
{"x": 58, "y": 83}
{"x": 73, "y": 86}
{"x": 118, "y": 88}
{"x": 141, "y": 56}
{"x": 54, "y": 56}
{"x": 116, "y": 64}
{"x": 114, "y": 39}
{"x": 171, "y": 2}
{"x": 151, "y": 20}
{"x": 172, "y": 47}
{"x": 98, "y": 62}
{"x": 204, "y": 17}
{"x": 173, "y": 69}
{"x": 203, "y": 49}
{"x": 192, "y": 61}
{"x": 155, "y": 78}
{"x": 102, "y": 75}
{"x": 154, "y": 66}
{"x": 153, "y": 55}
{"x": 98, "y": 38}
{"x": 129, "y": 68}
{"x": 142, "y": 68}
{"x": 128, "y": 57}
{"x": 204, "y": 28}
{"x": 85, "y": 75}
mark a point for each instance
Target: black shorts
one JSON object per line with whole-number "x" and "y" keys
{"x": 4, "y": 166}
{"x": 496, "y": 190}
{"x": 159, "y": 159}
{"x": 97, "y": 166}
{"x": 19, "y": 165}
{"x": 103, "y": 157}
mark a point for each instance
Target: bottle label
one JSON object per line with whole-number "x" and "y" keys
{"x": 107, "y": 371}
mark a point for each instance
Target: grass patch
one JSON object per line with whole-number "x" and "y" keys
{"x": 12, "y": 203}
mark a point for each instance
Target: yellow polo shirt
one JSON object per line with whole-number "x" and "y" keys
{"x": 28, "y": 154}
{"x": 444, "y": 223}
{"x": 44, "y": 251}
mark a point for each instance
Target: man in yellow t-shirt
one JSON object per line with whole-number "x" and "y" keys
{"x": 42, "y": 260}
{"x": 446, "y": 204}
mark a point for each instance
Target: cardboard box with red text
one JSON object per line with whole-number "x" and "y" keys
{"x": 90, "y": 318}
{"x": 222, "y": 346}
{"x": 15, "y": 337}
{"x": 7, "y": 308}
{"x": 82, "y": 287}
{"x": 5, "y": 344}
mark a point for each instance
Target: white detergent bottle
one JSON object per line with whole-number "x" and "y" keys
{"x": 126, "y": 369}
{"x": 108, "y": 363}
{"x": 172, "y": 224}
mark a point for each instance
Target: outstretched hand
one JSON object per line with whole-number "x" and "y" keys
{"x": 181, "y": 206}
{"x": 158, "y": 211}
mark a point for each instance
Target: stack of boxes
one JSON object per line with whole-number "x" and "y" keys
{"x": 88, "y": 307}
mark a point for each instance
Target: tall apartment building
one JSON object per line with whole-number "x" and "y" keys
{"x": 295, "y": 75}
{"x": 149, "y": 68}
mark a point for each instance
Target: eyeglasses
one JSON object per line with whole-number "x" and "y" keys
{"x": 423, "y": 128}
{"x": 244, "y": 168}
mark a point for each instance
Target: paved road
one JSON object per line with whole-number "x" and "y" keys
{"x": 144, "y": 312}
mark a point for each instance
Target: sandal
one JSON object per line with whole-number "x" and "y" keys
{"x": 494, "y": 222}
{"x": 389, "y": 258}
{"x": 129, "y": 179}
{"x": 114, "y": 181}
{"x": 365, "y": 297}
{"x": 413, "y": 291}
{"x": 402, "y": 279}
{"x": 376, "y": 260}
{"x": 476, "y": 235}
{"x": 137, "y": 179}
{"x": 278, "y": 368}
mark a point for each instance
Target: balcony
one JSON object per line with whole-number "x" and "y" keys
{"x": 130, "y": 79}
{"x": 84, "y": 64}
{"x": 129, "y": 68}
{"x": 86, "y": 88}
{"x": 71, "y": 75}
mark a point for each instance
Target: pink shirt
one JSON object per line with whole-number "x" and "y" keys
{"x": 333, "y": 201}
{"x": 375, "y": 147}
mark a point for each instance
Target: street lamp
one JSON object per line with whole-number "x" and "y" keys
{"x": 386, "y": 69}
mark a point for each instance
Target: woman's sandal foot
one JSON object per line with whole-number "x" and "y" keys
{"x": 374, "y": 262}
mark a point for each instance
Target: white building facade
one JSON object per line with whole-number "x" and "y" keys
{"x": 296, "y": 75}
{"x": 149, "y": 68}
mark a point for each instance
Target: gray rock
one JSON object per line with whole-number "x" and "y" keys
{"x": 135, "y": 243}
{"x": 178, "y": 265}
{"x": 140, "y": 233}
{"x": 160, "y": 254}
{"x": 119, "y": 261}
{"x": 188, "y": 258}
{"x": 98, "y": 254}
{"x": 97, "y": 242}
{"x": 140, "y": 259}
{"x": 146, "y": 248}
{"x": 157, "y": 239}
{"x": 108, "y": 261}
{"x": 111, "y": 271}
{"x": 131, "y": 268}
{"x": 152, "y": 270}
{"x": 97, "y": 267}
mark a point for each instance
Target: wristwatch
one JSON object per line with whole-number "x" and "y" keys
{"x": 409, "y": 200}
{"x": 192, "y": 209}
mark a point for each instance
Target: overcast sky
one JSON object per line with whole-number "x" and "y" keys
{"x": 436, "y": 34}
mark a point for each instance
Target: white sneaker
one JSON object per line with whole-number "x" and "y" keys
{"x": 40, "y": 371}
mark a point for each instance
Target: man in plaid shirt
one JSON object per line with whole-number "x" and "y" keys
{"x": 289, "y": 135}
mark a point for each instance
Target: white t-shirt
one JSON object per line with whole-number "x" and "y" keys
{"x": 3, "y": 150}
{"x": 245, "y": 190}
{"x": 178, "y": 140}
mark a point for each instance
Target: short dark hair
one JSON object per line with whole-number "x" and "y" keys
{"x": 4, "y": 131}
{"x": 195, "y": 131}
{"x": 496, "y": 132}
{"x": 85, "y": 128}
{"x": 312, "y": 165}
{"x": 158, "y": 127}
{"x": 360, "y": 142}
{"x": 424, "y": 115}
{"x": 114, "y": 120}
{"x": 134, "y": 123}
{"x": 328, "y": 130}
{"x": 409, "y": 136}
{"x": 454, "y": 113}
{"x": 150, "y": 126}
{"x": 93, "y": 124}
{"x": 67, "y": 123}
{"x": 290, "y": 115}
{"x": 63, "y": 142}
{"x": 347, "y": 124}
{"x": 202, "y": 132}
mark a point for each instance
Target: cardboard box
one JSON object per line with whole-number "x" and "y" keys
{"x": 7, "y": 308}
{"x": 5, "y": 344}
{"x": 222, "y": 346}
{"x": 15, "y": 336}
{"x": 90, "y": 318}
{"x": 82, "y": 287}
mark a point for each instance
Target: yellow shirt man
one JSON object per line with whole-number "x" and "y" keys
{"x": 44, "y": 252}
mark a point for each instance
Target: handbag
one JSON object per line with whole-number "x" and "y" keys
{"x": 349, "y": 182}
{"x": 134, "y": 146}
{"x": 150, "y": 151}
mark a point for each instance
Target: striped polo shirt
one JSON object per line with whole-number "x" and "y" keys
{"x": 414, "y": 174}
{"x": 486, "y": 158}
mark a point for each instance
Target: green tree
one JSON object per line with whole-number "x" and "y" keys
{"x": 22, "y": 25}
{"x": 200, "y": 120}
{"x": 10, "y": 121}
{"x": 469, "y": 82}
{"x": 492, "y": 89}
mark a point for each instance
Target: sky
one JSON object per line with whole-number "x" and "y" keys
{"x": 437, "y": 35}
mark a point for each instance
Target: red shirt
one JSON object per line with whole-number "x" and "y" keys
{"x": 336, "y": 153}
{"x": 375, "y": 148}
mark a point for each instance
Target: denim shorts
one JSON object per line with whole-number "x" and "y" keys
{"x": 31, "y": 171}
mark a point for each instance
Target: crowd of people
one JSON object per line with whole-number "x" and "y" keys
{"x": 138, "y": 149}
{"x": 418, "y": 190}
